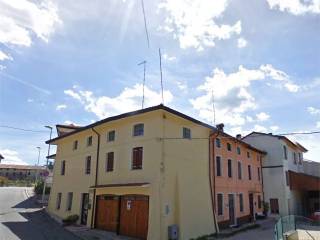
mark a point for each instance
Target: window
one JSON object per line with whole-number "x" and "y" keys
{"x": 238, "y": 150}
{"x": 186, "y": 133}
{"x": 285, "y": 152}
{"x": 59, "y": 196}
{"x": 111, "y": 136}
{"x": 228, "y": 146}
{"x": 300, "y": 157}
{"x": 109, "y": 161}
{"x": 75, "y": 145}
{"x": 287, "y": 178}
{"x": 239, "y": 170}
{"x": 258, "y": 174}
{"x": 63, "y": 167}
{"x": 249, "y": 172}
{"x": 69, "y": 201}
{"x": 229, "y": 168}
{"x": 259, "y": 201}
{"x": 137, "y": 155}
{"x": 294, "y": 155}
{"x": 138, "y": 129}
{"x": 89, "y": 141}
{"x": 218, "y": 165}
{"x": 220, "y": 203}
{"x": 218, "y": 143}
{"x": 88, "y": 165}
{"x": 248, "y": 154}
{"x": 241, "y": 202}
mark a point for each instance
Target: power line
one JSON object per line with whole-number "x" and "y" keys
{"x": 145, "y": 23}
{"x": 299, "y": 133}
{"x": 22, "y": 129}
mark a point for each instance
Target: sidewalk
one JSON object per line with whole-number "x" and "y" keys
{"x": 86, "y": 233}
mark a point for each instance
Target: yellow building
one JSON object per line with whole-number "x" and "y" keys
{"x": 140, "y": 174}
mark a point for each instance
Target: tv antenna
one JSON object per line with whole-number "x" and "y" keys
{"x": 161, "y": 76}
{"x": 144, "y": 80}
{"x": 213, "y": 108}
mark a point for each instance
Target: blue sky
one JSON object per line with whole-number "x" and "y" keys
{"x": 77, "y": 62}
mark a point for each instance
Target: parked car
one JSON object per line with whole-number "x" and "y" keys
{"x": 316, "y": 215}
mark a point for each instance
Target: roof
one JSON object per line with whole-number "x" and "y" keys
{"x": 1, "y": 157}
{"x": 296, "y": 144}
{"x": 71, "y": 126}
{"x": 52, "y": 156}
{"x": 244, "y": 143}
{"x": 130, "y": 114}
{"x": 22, "y": 167}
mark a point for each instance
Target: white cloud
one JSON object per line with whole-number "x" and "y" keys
{"x": 11, "y": 157}
{"x": 274, "y": 128}
{"x": 296, "y": 7}
{"x": 30, "y": 100}
{"x": 128, "y": 100}
{"x": 169, "y": 58}
{"x": 232, "y": 93}
{"x": 61, "y": 107}
{"x": 259, "y": 128}
{"x": 313, "y": 111}
{"x": 262, "y": 116}
{"x": 19, "y": 19}
{"x": 193, "y": 22}
{"x": 242, "y": 43}
{"x": 318, "y": 124}
{"x": 4, "y": 56}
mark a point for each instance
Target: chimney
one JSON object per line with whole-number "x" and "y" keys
{"x": 238, "y": 136}
{"x": 220, "y": 127}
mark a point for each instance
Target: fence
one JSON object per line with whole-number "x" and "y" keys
{"x": 292, "y": 223}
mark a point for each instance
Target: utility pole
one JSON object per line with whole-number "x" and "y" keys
{"x": 37, "y": 172}
{"x": 45, "y": 177}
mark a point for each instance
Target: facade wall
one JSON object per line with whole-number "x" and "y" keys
{"x": 226, "y": 185}
{"x": 275, "y": 167}
{"x": 21, "y": 174}
{"x": 175, "y": 169}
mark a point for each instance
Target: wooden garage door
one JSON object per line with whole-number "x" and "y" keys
{"x": 107, "y": 213}
{"x": 134, "y": 216}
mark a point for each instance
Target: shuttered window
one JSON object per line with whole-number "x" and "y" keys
{"x": 259, "y": 201}
{"x": 229, "y": 168}
{"x": 186, "y": 133}
{"x": 88, "y": 165}
{"x": 220, "y": 203}
{"x": 218, "y": 165}
{"x": 137, "y": 155}
{"x": 109, "y": 161}
{"x": 249, "y": 172}
{"x": 228, "y": 146}
{"x": 63, "y": 167}
{"x": 259, "y": 174}
{"x": 69, "y": 201}
{"x": 218, "y": 142}
{"x": 239, "y": 171}
{"x": 59, "y": 196}
{"x": 241, "y": 202}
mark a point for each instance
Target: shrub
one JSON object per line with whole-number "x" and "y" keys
{"x": 265, "y": 208}
{"x": 71, "y": 219}
{"x": 3, "y": 181}
{"x": 38, "y": 188}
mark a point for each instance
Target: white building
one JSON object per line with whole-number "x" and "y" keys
{"x": 287, "y": 188}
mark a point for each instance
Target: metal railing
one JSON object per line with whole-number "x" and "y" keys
{"x": 293, "y": 223}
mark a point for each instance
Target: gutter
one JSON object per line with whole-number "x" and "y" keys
{"x": 96, "y": 177}
{"x": 213, "y": 181}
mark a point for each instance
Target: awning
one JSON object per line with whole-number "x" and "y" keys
{"x": 144, "y": 184}
{"x": 301, "y": 181}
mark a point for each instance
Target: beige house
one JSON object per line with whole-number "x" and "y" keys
{"x": 22, "y": 172}
{"x": 143, "y": 174}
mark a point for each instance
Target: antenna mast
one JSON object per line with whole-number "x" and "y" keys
{"x": 213, "y": 109}
{"x": 161, "y": 77}
{"x": 145, "y": 23}
{"x": 144, "y": 80}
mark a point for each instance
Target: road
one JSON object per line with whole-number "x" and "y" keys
{"x": 21, "y": 219}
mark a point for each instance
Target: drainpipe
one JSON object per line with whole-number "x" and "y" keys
{"x": 212, "y": 180}
{"x": 96, "y": 178}
{"x": 262, "y": 182}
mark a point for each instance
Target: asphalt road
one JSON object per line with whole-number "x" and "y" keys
{"x": 21, "y": 218}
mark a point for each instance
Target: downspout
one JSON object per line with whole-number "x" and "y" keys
{"x": 262, "y": 180}
{"x": 212, "y": 178}
{"x": 96, "y": 178}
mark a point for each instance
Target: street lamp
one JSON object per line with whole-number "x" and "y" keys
{"x": 45, "y": 179}
{"x": 37, "y": 172}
